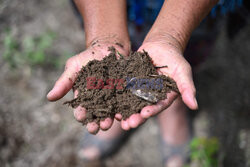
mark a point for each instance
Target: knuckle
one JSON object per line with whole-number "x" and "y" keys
{"x": 183, "y": 87}
{"x": 133, "y": 124}
{"x": 78, "y": 118}
{"x": 79, "y": 115}
{"x": 58, "y": 83}
{"x": 188, "y": 68}
{"x": 194, "y": 90}
{"x": 69, "y": 63}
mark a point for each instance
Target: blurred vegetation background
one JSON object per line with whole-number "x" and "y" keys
{"x": 37, "y": 37}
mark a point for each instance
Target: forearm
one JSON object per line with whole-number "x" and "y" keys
{"x": 104, "y": 19}
{"x": 177, "y": 20}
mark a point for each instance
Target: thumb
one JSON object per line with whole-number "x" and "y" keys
{"x": 186, "y": 87}
{"x": 65, "y": 82}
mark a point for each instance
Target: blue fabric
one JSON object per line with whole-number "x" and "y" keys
{"x": 141, "y": 11}
{"x": 225, "y": 6}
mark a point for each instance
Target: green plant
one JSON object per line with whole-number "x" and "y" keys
{"x": 34, "y": 49}
{"x": 10, "y": 53}
{"x": 30, "y": 51}
{"x": 204, "y": 151}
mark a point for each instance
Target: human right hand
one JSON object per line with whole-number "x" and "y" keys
{"x": 166, "y": 52}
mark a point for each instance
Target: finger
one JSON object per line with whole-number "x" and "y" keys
{"x": 76, "y": 93}
{"x": 118, "y": 117}
{"x": 92, "y": 127}
{"x": 80, "y": 114}
{"x": 125, "y": 125}
{"x": 135, "y": 120}
{"x": 106, "y": 124}
{"x": 64, "y": 83}
{"x": 152, "y": 110}
{"x": 189, "y": 99}
{"x": 186, "y": 87}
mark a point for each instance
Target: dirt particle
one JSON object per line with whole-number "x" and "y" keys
{"x": 119, "y": 44}
{"x": 94, "y": 43}
{"x": 161, "y": 67}
{"x": 70, "y": 79}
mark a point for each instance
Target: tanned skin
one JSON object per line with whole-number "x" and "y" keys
{"x": 105, "y": 23}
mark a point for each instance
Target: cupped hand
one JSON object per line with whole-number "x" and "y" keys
{"x": 166, "y": 54}
{"x": 73, "y": 65}
{"x": 161, "y": 53}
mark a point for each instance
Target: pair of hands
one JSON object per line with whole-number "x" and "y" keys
{"x": 162, "y": 53}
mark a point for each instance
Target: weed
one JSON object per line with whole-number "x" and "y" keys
{"x": 11, "y": 53}
{"x": 30, "y": 51}
{"x": 204, "y": 151}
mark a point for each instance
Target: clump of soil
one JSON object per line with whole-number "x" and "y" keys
{"x": 119, "y": 84}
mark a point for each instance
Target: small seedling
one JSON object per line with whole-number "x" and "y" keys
{"x": 204, "y": 151}
{"x": 31, "y": 51}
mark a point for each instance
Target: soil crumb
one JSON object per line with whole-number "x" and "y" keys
{"x": 119, "y": 84}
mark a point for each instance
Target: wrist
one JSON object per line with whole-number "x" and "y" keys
{"x": 165, "y": 39}
{"x": 110, "y": 40}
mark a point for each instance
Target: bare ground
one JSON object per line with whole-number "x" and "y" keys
{"x": 35, "y": 132}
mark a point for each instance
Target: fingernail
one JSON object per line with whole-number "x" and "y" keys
{"x": 196, "y": 103}
{"x": 50, "y": 93}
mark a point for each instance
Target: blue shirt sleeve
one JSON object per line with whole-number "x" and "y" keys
{"x": 141, "y": 11}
